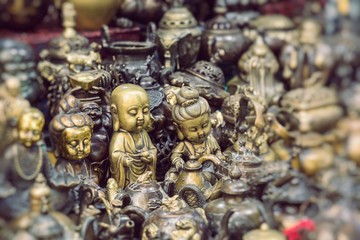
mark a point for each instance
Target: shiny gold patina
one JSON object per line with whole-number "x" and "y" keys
{"x": 191, "y": 115}
{"x": 178, "y": 37}
{"x": 131, "y": 150}
{"x": 30, "y": 127}
{"x": 92, "y": 14}
{"x": 71, "y": 133}
{"x": 87, "y": 79}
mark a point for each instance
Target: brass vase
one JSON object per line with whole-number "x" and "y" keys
{"x": 92, "y": 14}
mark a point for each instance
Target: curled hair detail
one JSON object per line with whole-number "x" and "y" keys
{"x": 63, "y": 121}
{"x": 189, "y": 102}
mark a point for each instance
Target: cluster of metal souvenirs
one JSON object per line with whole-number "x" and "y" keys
{"x": 244, "y": 127}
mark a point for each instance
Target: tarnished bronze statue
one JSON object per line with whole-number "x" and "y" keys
{"x": 23, "y": 161}
{"x": 71, "y": 135}
{"x": 131, "y": 150}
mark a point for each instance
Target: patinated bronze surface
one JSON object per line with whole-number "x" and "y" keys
{"x": 217, "y": 121}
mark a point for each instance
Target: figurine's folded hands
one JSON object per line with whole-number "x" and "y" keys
{"x": 178, "y": 164}
{"x": 147, "y": 156}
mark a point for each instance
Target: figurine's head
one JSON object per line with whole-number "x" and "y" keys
{"x": 71, "y": 134}
{"x": 93, "y": 110}
{"x": 191, "y": 115}
{"x": 130, "y": 108}
{"x": 12, "y": 86}
{"x": 30, "y": 126}
{"x": 310, "y": 31}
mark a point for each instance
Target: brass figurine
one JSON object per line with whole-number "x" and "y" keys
{"x": 12, "y": 106}
{"x": 23, "y": 161}
{"x": 71, "y": 137}
{"x": 191, "y": 115}
{"x": 131, "y": 150}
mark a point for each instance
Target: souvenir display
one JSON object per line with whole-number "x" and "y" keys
{"x": 219, "y": 120}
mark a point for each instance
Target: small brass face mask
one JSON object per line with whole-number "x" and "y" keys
{"x": 75, "y": 143}
{"x": 30, "y": 127}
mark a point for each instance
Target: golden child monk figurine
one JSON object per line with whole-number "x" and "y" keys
{"x": 131, "y": 150}
{"x": 191, "y": 116}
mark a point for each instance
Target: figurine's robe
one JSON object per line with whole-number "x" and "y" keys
{"x": 17, "y": 203}
{"x": 186, "y": 149}
{"x": 122, "y": 148}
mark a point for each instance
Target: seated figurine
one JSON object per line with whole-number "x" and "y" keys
{"x": 191, "y": 115}
{"x": 22, "y": 162}
{"x": 131, "y": 151}
{"x": 71, "y": 134}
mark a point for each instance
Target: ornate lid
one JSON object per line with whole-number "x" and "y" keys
{"x": 272, "y": 22}
{"x": 248, "y": 159}
{"x": 309, "y": 98}
{"x": 177, "y": 17}
{"x": 220, "y": 23}
{"x": 234, "y": 185}
{"x": 209, "y": 72}
{"x": 264, "y": 233}
{"x": 192, "y": 165}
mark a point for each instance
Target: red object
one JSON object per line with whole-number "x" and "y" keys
{"x": 302, "y": 227}
{"x": 290, "y": 8}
